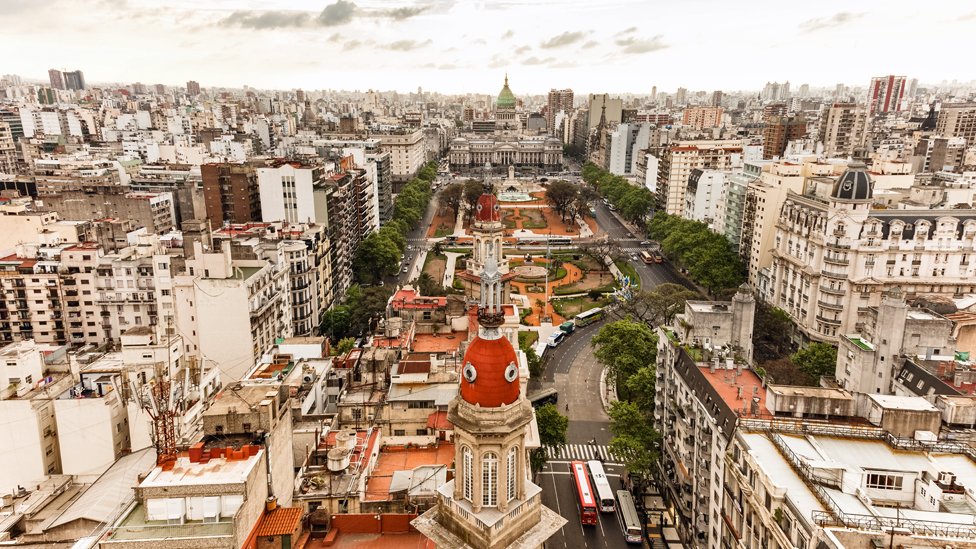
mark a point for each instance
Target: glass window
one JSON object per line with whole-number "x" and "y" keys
{"x": 510, "y": 472}
{"x": 467, "y": 472}
{"x": 489, "y": 480}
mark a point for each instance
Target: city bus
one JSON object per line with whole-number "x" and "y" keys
{"x": 588, "y": 317}
{"x": 627, "y": 517}
{"x": 584, "y": 494}
{"x": 543, "y": 397}
{"x": 646, "y": 257}
{"x": 601, "y": 486}
{"x": 560, "y": 241}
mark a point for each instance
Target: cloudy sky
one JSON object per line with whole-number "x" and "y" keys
{"x": 467, "y": 46}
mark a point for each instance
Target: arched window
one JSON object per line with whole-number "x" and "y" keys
{"x": 489, "y": 480}
{"x": 467, "y": 466}
{"x": 511, "y": 472}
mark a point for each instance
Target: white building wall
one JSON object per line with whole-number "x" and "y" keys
{"x": 286, "y": 194}
{"x": 27, "y": 454}
{"x": 91, "y": 432}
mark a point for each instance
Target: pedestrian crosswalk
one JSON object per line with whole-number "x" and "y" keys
{"x": 580, "y": 452}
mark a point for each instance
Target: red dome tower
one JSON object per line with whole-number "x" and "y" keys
{"x": 490, "y": 372}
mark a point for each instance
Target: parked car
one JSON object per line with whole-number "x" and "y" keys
{"x": 405, "y": 269}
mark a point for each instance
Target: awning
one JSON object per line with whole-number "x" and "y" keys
{"x": 438, "y": 420}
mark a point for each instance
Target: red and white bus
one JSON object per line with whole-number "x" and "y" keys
{"x": 587, "y": 503}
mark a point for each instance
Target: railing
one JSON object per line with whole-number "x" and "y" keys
{"x": 889, "y": 524}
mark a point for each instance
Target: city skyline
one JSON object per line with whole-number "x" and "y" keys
{"x": 466, "y": 47}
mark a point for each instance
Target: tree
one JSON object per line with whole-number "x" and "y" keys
{"x": 769, "y": 337}
{"x": 473, "y": 189}
{"x": 599, "y": 250}
{"x": 535, "y": 365}
{"x": 816, "y": 360}
{"x": 561, "y": 195}
{"x": 633, "y": 437}
{"x": 345, "y": 345}
{"x": 336, "y": 322}
{"x": 658, "y": 306}
{"x": 428, "y": 286}
{"x": 552, "y": 425}
{"x": 624, "y": 347}
{"x": 640, "y": 387}
{"x": 376, "y": 256}
{"x": 584, "y": 196}
{"x": 452, "y": 197}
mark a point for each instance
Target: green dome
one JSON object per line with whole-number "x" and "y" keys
{"x": 506, "y": 99}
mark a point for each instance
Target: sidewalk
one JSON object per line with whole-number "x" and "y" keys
{"x": 449, "y": 268}
{"x": 608, "y": 392}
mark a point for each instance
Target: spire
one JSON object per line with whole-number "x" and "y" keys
{"x": 506, "y": 78}
{"x": 490, "y": 312}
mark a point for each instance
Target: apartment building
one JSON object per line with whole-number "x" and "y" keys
{"x": 382, "y": 174}
{"x": 231, "y": 311}
{"x": 211, "y": 498}
{"x": 231, "y": 193}
{"x": 779, "y": 131}
{"x": 703, "y": 380}
{"x": 885, "y": 94}
{"x": 8, "y": 150}
{"x": 30, "y": 426}
{"x": 156, "y": 211}
{"x": 681, "y": 157}
{"x": 843, "y": 128}
{"x": 833, "y": 255}
{"x": 407, "y": 150}
{"x": 869, "y": 358}
{"x": 292, "y": 192}
{"x": 700, "y": 118}
{"x": 763, "y": 201}
{"x": 957, "y": 120}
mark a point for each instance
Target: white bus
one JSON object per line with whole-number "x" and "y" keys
{"x": 602, "y": 487}
{"x": 627, "y": 516}
{"x": 588, "y": 317}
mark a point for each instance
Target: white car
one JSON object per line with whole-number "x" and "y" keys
{"x": 555, "y": 339}
{"x": 405, "y": 269}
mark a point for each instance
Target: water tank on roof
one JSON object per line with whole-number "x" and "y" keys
{"x": 338, "y": 459}
{"x": 349, "y": 440}
{"x": 393, "y": 327}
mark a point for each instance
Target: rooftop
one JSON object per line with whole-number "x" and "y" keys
{"x": 860, "y": 343}
{"x": 410, "y": 540}
{"x": 397, "y": 458}
{"x": 894, "y": 402}
{"x": 216, "y": 467}
{"x": 280, "y": 521}
{"x": 737, "y": 390}
{"x": 440, "y": 344}
{"x": 408, "y": 298}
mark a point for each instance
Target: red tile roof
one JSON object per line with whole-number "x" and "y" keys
{"x": 281, "y": 521}
{"x": 410, "y": 299}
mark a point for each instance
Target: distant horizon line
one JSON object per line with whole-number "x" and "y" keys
{"x": 244, "y": 87}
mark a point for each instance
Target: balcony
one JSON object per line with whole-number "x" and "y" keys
{"x": 834, "y": 291}
{"x": 832, "y": 274}
{"x": 831, "y": 321}
{"x": 836, "y": 260}
{"x": 831, "y": 306}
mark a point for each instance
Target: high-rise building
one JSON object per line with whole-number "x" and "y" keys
{"x": 681, "y": 96}
{"x": 56, "y": 78}
{"x": 74, "y": 80}
{"x": 680, "y": 158}
{"x": 717, "y": 97}
{"x": 957, "y": 120}
{"x": 160, "y": 89}
{"x": 193, "y": 88}
{"x": 612, "y": 112}
{"x": 778, "y": 133}
{"x": 559, "y": 101}
{"x": 885, "y": 94}
{"x": 700, "y": 118}
{"x": 139, "y": 88}
{"x": 231, "y": 193}
{"x": 843, "y": 128}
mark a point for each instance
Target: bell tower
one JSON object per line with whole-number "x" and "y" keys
{"x": 492, "y": 502}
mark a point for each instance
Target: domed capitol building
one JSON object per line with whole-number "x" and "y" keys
{"x": 507, "y": 146}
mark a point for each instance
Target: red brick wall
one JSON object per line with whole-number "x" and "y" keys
{"x": 373, "y": 524}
